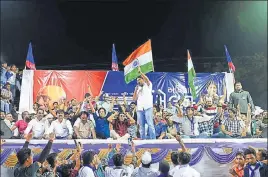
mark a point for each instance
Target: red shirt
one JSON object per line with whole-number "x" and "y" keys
{"x": 22, "y": 125}
{"x": 121, "y": 127}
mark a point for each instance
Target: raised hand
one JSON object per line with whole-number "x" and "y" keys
{"x": 52, "y": 136}
{"x": 28, "y": 137}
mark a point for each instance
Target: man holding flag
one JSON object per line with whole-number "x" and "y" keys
{"x": 143, "y": 96}
{"x": 137, "y": 65}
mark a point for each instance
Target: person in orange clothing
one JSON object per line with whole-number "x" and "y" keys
{"x": 238, "y": 169}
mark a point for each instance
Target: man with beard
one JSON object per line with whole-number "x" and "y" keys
{"x": 241, "y": 98}
{"x": 21, "y": 125}
{"x": 143, "y": 96}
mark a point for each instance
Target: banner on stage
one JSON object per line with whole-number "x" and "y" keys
{"x": 59, "y": 85}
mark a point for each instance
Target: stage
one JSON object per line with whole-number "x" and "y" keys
{"x": 211, "y": 157}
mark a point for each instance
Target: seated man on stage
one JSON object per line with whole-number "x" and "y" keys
{"x": 84, "y": 128}
{"x": 120, "y": 125}
{"x": 61, "y": 127}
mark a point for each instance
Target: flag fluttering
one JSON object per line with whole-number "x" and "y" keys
{"x": 191, "y": 75}
{"x": 142, "y": 57}
{"x": 30, "y": 59}
{"x": 114, "y": 60}
{"x": 229, "y": 60}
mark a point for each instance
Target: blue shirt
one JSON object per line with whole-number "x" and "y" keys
{"x": 160, "y": 128}
{"x": 102, "y": 125}
{"x": 3, "y": 76}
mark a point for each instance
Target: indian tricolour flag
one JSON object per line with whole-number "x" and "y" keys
{"x": 191, "y": 75}
{"x": 142, "y": 57}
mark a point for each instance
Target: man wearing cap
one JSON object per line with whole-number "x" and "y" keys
{"x": 145, "y": 169}
{"x": 143, "y": 96}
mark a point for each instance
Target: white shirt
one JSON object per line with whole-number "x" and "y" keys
{"x": 256, "y": 172}
{"x": 145, "y": 97}
{"x": 61, "y": 129}
{"x": 12, "y": 79}
{"x": 173, "y": 170}
{"x": 186, "y": 171}
{"x": 86, "y": 172}
{"x": 38, "y": 127}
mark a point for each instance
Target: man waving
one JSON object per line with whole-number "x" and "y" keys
{"x": 143, "y": 96}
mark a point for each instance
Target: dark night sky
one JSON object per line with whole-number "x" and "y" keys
{"x": 71, "y": 32}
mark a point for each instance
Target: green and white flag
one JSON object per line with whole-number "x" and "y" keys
{"x": 191, "y": 75}
{"x": 142, "y": 57}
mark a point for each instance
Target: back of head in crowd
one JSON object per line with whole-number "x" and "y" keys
{"x": 184, "y": 158}
{"x": 175, "y": 158}
{"x": 146, "y": 159}
{"x": 118, "y": 160}
{"x": 24, "y": 156}
{"x": 164, "y": 168}
{"x": 88, "y": 157}
{"x": 51, "y": 159}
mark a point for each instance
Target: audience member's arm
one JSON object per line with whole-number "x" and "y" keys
{"x": 47, "y": 149}
{"x": 111, "y": 117}
{"x": 92, "y": 107}
{"x": 124, "y": 99}
{"x": 132, "y": 121}
{"x": 135, "y": 94}
{"x": 93, "y": 133}
{"x": 183, "y": 148}
{"x": 231, "y": 101}
{"x": 70, "y": 128}
{"x": 97, "y": 98}
{"x": 112, "y": 105}
{"x": 27, "y": 137}
{"x": 29, "y": 127}
{"x": 225, "y": 131}
{"x": 250, "y": 101}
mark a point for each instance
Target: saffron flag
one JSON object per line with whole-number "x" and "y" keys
{"x": 142, "y": 57}
{"x": 229, "y": 60}
{"x": 191, "y": 75}
{"x": 114, "y": 60}
{"x": 30, "y": 59}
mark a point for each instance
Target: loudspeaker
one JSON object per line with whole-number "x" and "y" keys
{"x": 6, "y": 133}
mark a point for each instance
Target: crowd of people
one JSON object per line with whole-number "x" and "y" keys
{"x": 96, "y": 118}
{"x": 79, "y": 163}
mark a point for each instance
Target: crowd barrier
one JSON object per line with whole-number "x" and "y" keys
{"x": 211, "y": 157}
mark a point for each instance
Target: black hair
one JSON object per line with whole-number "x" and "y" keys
{"x": 88, "y": 157}
{"x": 118, "y": 159}
{"x": 264, "y": 154}
{"x": 233, "y": 110}
{"x": 55, "y": 102}
{"x": 60, "y": 111}
{"x": 101, "y": 109}
{"x": 240, "y": 153}
{"x": 84, "y": 112}
{"x": 238, "y": 82}
{"x": 175, "y": 158}
{"x": 12, "y": 65}
{"x": 23, "y": 155}
{"x": 51, "y": 158}
{"x": 87, "y": 95}
{"x": 184, "y": 158}
{"x": 146, "y": 165}
{"x": 132, "y": 103}
{"x": 164, "y": 167}
{"x": 39, "y": 109}
{"x": 23, "y": 113}
{"x": 250, "y": 151}
{"x": 65, "y": 170}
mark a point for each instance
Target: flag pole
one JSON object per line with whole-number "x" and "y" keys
{"x": 152, "y": 55}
